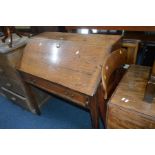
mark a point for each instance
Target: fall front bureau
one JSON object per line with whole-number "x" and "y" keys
{"x": 68, "y": 68}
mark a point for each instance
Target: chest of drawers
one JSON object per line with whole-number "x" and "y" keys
{"x": 11, "y": 85}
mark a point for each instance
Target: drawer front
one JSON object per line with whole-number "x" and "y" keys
{"x": 119, "y": 117}
{"x": 15, "y": 97}
{"x": 3, "y": 79}
{"x": 2, "y": 72}
{"x": 58, "y": 90}
{"x": 12, "y": 85}
{"x": 9, "y": 71}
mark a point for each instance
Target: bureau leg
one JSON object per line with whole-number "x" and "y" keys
{"x": 31, "y": 97}
{"x": 33, "y": 100}
{"x": 93, "y": 107}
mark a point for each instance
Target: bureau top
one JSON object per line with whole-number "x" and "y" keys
{"x": 73, "y": 64}
{"x": 114, "y": 41}
{"x": 130, "y": 92}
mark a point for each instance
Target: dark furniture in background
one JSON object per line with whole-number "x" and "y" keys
{"x": 39, "y": 29}
{"x": 145, "y": 35}
{"x": 150, "y": 88}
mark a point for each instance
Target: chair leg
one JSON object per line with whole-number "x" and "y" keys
{"x": 102, "y": 105}
{"x": 93, "y": 107}
{"x": 102, "y": 111}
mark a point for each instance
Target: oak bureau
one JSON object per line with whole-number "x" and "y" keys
{"x": 67, "y": 67}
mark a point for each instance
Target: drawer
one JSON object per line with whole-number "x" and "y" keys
{"x": 3, "y": 79}
{"x": 1, "y": 93}
{"x": 9, "y": 71}
{"x": 10, "y": 83}
{"x": 14, "y": 86}
{"x": 22, "y": 101}
{"x": 58, "y": 90}
{"x": 2, "y": 72}
{"x": 120, "y": 118}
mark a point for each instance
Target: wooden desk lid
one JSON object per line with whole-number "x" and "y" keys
{"x": 114, "y": 41}
{"x": 75, "y": 65}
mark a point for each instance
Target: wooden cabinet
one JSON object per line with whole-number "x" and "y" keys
{"x": 11, "y": 84}
{"x": 127, "y": 108}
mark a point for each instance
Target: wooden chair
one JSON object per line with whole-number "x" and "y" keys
{"x": 132, "y": 47}
{"x": 112, "y": 72}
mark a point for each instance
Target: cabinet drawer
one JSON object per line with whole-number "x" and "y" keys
{"x": 58, "y": 90}
{"x": 15, "y": 97}
{"x": 2, "y": 72}
{"x": 13, "y": 86}
{"x": 3, "y": 79}
{"x": 122, "y": 118}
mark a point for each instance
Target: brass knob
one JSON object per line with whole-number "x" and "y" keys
{"x": 8, "y": 84}
{"x": 13, "y": 98}
{"x": 87, "y": 101}
{"x": 66, "y": 93}
{"x": 72, "y": 95}
{"x": 33, "y": 81}
{"x": 58, "y": 45}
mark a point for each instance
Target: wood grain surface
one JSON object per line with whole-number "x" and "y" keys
{"x": 113, "y": 41}
{"x": 127, "y": 108}
{"x": 75, "y": 65}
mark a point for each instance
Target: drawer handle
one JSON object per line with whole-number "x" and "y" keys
{"x": 12, "y": 93}
{"x": 72, "y": 95}
{"x": 58, "y": 45}
{"x": 66, "y": 93}
{"x": 8, "y": 84}
{"x": 87, "y": 101}
{"x": 33, "y": 81}
{"x": 13, "y": 98}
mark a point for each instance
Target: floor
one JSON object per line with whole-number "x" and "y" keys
{"x": 56, "y": 114}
